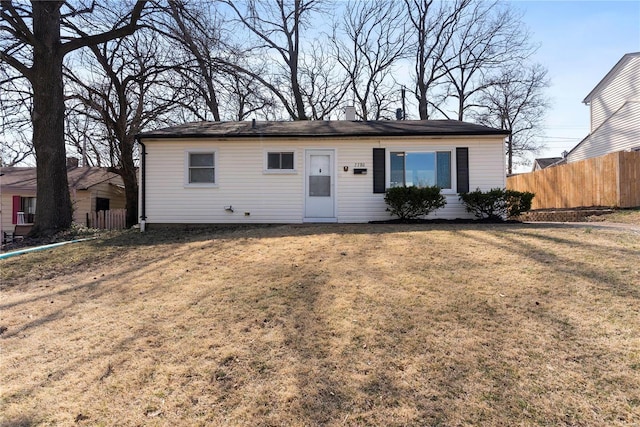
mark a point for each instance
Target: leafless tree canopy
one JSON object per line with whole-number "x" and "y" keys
{"x": 369, "y": 43}
{"x": 34, "y": 41}
{"x": 130, "y": 88}
{"x": 229, "y": 60}
{"x": 516, "y": 103}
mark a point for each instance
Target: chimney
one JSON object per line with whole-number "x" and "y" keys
{"x": 350, "y": 113}
{"x": 72, "y": 163}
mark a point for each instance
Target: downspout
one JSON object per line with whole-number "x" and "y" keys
{"x": 143, "y": 185}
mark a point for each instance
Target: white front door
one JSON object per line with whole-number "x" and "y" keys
{"x": 319, "y": 185}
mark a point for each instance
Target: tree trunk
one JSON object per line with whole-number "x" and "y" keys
{"x": 53, "y": 206}
{"x": 461, "y": 101}
{"x": 295, "y": 87}
{"x": 128, "y": 172}
{"x": 422, "y": 102}
{"x": 131, "y": 196}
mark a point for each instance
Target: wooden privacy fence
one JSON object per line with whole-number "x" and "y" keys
{"x": 612, "y": 180}
{"x": 114, "y": 219}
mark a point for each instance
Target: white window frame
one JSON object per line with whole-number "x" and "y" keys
{"x": 452, "y": 166}
{"x": 268, "y": 171}
{"x": 213, "y": 184}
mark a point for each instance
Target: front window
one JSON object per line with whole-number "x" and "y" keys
{"x": 280, "y": 161}
{"x": 421, "y": 169}
{"x": 202, "y": 168}
{"x": 102, "y": 204}
{"x": 28, "y": 208}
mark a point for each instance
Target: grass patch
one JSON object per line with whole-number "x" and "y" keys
{"x": 354, "y": 325}
{"x": 623, "y": 216}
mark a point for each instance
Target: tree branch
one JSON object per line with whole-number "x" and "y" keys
{"x": 106, "y": 36}
{"x": 19, "y": 66}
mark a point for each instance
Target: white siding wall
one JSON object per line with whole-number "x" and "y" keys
{"x": 620, "y": 132}
{"x": 241, "y": 184}
{"x": 279, "y": 198}
{"x": 358, "y": 203}
{"x": 625, "y": 86}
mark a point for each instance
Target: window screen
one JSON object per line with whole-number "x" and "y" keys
{"x": 201, "y": 168}
{"x": 280, "y": 161}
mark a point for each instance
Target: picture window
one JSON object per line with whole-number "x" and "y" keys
{"x": 420, "y": 169}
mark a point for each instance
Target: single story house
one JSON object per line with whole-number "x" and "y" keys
{"x": 92, "y": 189}
{"x": 546, "y": 162}
{"x": 309, "y": 171}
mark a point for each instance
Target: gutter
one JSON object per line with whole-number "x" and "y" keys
{"x": 143, "y": 184}
{"x": 197, "y": 135}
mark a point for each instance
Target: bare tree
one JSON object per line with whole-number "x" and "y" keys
{"x": 489, "y": 35}
{"x": 210, "y": 66}
{"x": 15, "y": 121}
{"x": 130, "y": 91}
{"x": 516, "y": 103}
{"x": 278, "y": 26}
{"x": 31, "y": 42}
{"x": 322, "y": 82}
{"x": 84, "y": 135}
{"x": 244, "y": 96}
{"x": 432, "y": 26}
{"x": 368, "y": 43}
{"x": 197, "y": 30}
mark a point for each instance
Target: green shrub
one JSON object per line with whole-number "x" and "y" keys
{"x": 497, "y": 203}
{"x": 518, "y": 202}
{"x": 413, "y": 202}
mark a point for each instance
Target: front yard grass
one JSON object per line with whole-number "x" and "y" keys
{"x": 395, "y": 325}
{"x": 623, "y": 216}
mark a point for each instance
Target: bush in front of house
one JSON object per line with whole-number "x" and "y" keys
{"x": 413, "y": 202}
{"x": 518, "y": 202}
{"x": 497, "y": 203}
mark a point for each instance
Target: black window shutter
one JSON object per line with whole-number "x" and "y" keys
{"x": 462, "y": 169}
{"x": 378, "y": 170}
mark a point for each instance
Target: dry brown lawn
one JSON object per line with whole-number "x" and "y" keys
{"x": 354, "y": 325}
{"x": 624, "y": 216}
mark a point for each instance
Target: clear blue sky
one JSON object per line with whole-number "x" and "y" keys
{"x": 580, "y": 42}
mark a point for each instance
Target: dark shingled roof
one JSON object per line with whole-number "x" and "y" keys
{"x": 24, "y": 178}
{"x": 323, "y": 128}
{"x": 545, "y": 162}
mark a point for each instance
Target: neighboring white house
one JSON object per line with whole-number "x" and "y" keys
{"x": 615, "y": 112}
{"x": 309, "y": 171}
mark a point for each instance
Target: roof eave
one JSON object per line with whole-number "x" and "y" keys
{"x": 148, "y": 136}
{"x": 610, "y": 75}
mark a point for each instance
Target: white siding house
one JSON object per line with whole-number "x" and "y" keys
{"x": 312, "y": 171}
{"x": 615, "y": 112}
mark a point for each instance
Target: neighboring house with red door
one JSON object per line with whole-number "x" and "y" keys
{"x": 310, "y": 171}
{"x": 92, "y": 189}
